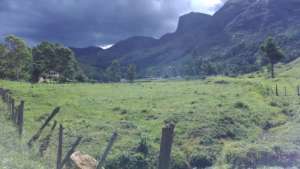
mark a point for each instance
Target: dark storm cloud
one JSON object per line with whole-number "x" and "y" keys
{"x": 90, "y": 22}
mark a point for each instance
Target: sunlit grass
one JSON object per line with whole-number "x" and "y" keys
{"x": 197, "y": 107}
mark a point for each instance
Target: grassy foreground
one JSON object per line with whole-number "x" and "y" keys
{"x": 221, "y": 121}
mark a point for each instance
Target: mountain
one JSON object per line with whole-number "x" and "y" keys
{"x": 229, "y": 40}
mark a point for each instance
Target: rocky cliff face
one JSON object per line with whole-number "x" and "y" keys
{"x": 230, "y": 38}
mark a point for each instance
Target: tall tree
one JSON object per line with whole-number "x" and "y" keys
{"x": 113, "y": 72}
{"x": 3, "y": 52}
{"x": 43, "y": 57}
{"x": 272, "y": 53}
{"x": 18, "y": 58}
{"x": 49, "y": 58}
{"x": 131, "y": 72}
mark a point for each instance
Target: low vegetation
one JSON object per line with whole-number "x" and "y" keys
{"x": 221, "y": 121}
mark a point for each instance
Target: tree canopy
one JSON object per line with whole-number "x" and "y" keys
{"x": 46, "y": 60}
{"x": 49, "y": 59}
{"x": 272, "y": 53}
{"x": 16, "y": 59}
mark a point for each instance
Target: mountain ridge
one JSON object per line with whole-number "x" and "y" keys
{"x": 229, "y": 40}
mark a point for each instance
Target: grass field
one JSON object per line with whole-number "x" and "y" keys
{"x": 219, "y": 120}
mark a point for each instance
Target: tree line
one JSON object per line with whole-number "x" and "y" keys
{"x": 51, "y": 62}
{"x": 116, "y": 72}
{"x": 46, "y": 61}
{"x": 199, "y": 67}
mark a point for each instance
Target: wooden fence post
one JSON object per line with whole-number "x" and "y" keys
{"x": 8, "y": 103}
{"x": 6, "y": 96}
{"x": 285, "y": 91}
{"x": 1, "y": 93}
{"x": 298, "y": 90}
{"x": 45, "y": 142}
{"x": 71, "y": 151}
{"x": 276, "y": 90}
{"x": 20, "y": 117}
{"x": 12, "y": 107}
{"x": 59, "y": 148}
{"x": 107, "y": 150}
{"x": 39, "y": 132}
{"x": 166, "y": 146}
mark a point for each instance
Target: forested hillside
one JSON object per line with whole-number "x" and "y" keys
{"x": 228, "y": 42}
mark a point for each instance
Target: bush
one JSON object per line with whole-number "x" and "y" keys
{"x": 253, "y": 156}
{"x": 143, "y": 147}
{"x": 130, "y": 161}
{"x": 201, "y": 161}
{"x": 241, "y": 105}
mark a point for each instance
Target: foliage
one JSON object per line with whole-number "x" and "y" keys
{"x": 200, "y": 67}
{"x": 218, "y": 120}
{"x": 19, "y": 62}
{"x": 13, "y": 152}
{"x": 113, "y": 72}
{"x": 53, "y": 58}
{"x": 131, "y": 161}
{"x": 16, "y": 59}
{"x": 272, "y": 52}
{"x": 131, "y": 73}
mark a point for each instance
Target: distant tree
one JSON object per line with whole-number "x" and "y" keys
{"x": 272, "y": 53}
{"x": 43, "y": 57}
{"x": 131, "y": 73}
{"x": 113, "y": 72}
{"x": 199, "y": 67}
{"x": 68, "y": 67}
{"x": 17, "y": 58}
{"x": 49, "y": 58}
{"x": 3, "y": 52}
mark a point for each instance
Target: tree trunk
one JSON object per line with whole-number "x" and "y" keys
{"x": 272, "y": 70}
{"x": 17, "y": 74}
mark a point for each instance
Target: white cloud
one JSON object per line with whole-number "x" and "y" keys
{"x": 205, "y": 6}
{"x": 107, "y": 46}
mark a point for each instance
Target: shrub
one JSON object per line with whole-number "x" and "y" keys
{"x": 130, "y": 161}
{"x": 241, "y": 105}
{"x": 143, "y": 146}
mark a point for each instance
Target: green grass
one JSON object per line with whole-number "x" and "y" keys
{"x": 217, "y": 117}
{"x": 13, "y": 152}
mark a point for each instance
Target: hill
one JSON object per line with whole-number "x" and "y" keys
{"x": 222, "y": 122}
{"x": 229, "y": 40}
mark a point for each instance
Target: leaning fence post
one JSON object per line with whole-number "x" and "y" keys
{"x": 20, "y": 117}
{"x": 39, "y": 132}
{"x": 166, "y": 146}
{"x": 71, "y": 151}
{"x": 107, "y": 150}
{"x": 46, "y": 140}
{"x": 59, "y": 148}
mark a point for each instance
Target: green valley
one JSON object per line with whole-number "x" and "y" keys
{"x": 220, "y": 121}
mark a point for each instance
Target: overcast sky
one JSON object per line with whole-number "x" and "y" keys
{"x": 94, "y": 22}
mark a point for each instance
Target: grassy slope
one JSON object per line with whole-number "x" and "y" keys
{"x": 13, "y": 153}
{"x": 203, "y": 111}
